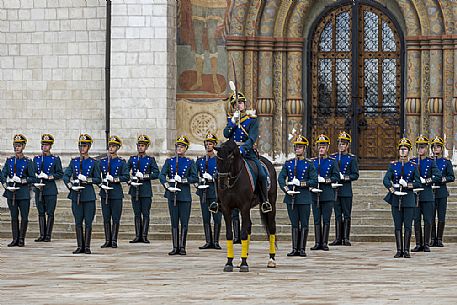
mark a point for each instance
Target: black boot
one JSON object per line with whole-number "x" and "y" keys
{"x": 217, "y": 234}
{"x": 138, "y": 227}
{"x": 208, "y": 236}
{"x": 22, "y": 233}
{"x": 325, "y": 237}
{"x": 42, "y": 227}
{"x": 266, "y": 206}
{"x": 440, "y": 232}
{"x": 338, "y": 231}
{"x": 175, "y": 239}
{"x": 418, "y": 236}
{"x": 107, "y": 229}
{"x": 15, "y": 231}
{"x": 303, "y": 240}
{"x": 294, "y": 252}
{"x": 115, "y": 232}
{"x": 433, "y": 237}
{"x": 427, "y": 231}
{"x": 406, "y": 244}
{"x": 87, "y": 240}
{"x": 79, "y": 240}
{"x": 146, "y": 230}
{"x": 49, "y": 227}
{"x": 346, "y": 232}
{"x": 182, "y": 246}
{"x": 317, "y": 237}
{"x": 399, "y": 242}
{"x": 236, "y": 231}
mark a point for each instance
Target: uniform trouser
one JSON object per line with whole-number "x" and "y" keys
{"x": 322, "y": 212}
{"x": 440, "y": 209}
{"x": 343, "y": 208}
{"x": 206, "y": 214}
{"x": 85, "y": 210}
{"x": 179, "y": 213}
{"x": 111, "y": 209}
{"x": 142, "y": 206}
{"x": 21, "y": 206}
{"x": 426, "y": 208}
{"x": 47, "y": 205}
{"x": 403, "y": 218}
{"x": 299, "y": 215}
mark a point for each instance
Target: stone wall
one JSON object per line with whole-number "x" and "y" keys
{"x": 52, "y": 60}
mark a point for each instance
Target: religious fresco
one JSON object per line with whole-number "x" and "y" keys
{"x": 201, "y": 55}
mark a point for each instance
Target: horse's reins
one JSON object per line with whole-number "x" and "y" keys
{"x": 221, "y": 176}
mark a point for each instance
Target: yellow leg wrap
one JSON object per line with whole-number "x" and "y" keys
{"x": 230, "y": 253}
{"x": 272, "y": 244}
{"x": 244, "y": 248}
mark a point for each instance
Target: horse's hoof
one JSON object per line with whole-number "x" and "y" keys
{"x": 244, "y": 268}
{"x": 271, "y": 263}
{"x": 228, "y": 268}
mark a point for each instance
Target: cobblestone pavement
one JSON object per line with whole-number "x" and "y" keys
{"x": 366, "y": 273}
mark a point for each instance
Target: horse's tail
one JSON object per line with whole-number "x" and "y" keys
{"x": 268, "y": 220}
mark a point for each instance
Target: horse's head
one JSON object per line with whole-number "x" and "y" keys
{"x": 228, "y": 155}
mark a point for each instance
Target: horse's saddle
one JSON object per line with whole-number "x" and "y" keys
{"x": 254, "y": 173}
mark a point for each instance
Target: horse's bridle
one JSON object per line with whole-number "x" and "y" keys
{"x": 226, "y": 176}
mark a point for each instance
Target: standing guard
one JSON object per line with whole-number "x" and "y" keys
{"x": 243, "y": 128}
{"x": 17, "y": 175}
{"x": 324, "y": 195}
{"x": 400, "y": 179}
{"x": 177, "y": 174}
{"x": 441, "y": 192}
{"x": 143, "y": 169}
{"x": 349, "y": 171}
{"x": 301, "y": 175}
{"x": 206, "y": 190}
{"x": 425, "y": 201}
{"x": 48, "y": 169}
{"x": 79, "y": 177}
{"x": 114, "y": 171}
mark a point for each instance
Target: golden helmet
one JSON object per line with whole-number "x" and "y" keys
{"x": 300, "y": 140}
{"x": 143, "y": 139}
{"x": 211, "y": 137}
{"x": 19, "y": 138}
{"x": 344, "y": 136}
{"x": 115, "y": 140}
{"x": 47, "y": 138}
{"x": 84, "y": 138}
{"x": 404, "y": 142}
{"x": 183, "y": 140}
{"x": 437, "y": 141}
{"x": 322, "y": 138}
{"x": 422, "y": 140}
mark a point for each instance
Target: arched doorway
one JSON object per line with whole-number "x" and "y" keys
{"x": 356, "y": 79}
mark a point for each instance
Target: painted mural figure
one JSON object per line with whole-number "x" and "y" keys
{"x": 202, "y": 24}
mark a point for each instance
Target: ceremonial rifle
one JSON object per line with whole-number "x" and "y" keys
{"x": 14, "y": 182}
{"x": 293, "y": 186}
{"x": 176, "y": 183}
{"x": 402, "y": 173}
{"x": 108, "y": 172}
{"x": 137, "y": 189}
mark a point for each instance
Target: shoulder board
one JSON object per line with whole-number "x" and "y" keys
{"x": 393, "y": 162}
{"x": 122, "y": 159}
{"x": 412, "y": 162}
{"x": 331, "y": 158}
{"x": 314, "y": 158}
{"x": 290, "y": 160}
{"x": 26, "y": 158}
{"x": 309, "y": 160}
{"x": 352, "y": 155}
{"x": 333, "y": 155}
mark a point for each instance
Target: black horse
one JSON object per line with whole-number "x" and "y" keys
{"x": 235, "y": 191}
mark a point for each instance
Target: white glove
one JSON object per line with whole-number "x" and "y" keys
{"x": 104, "y": 180}
{"x": 320, "y": 179}
{"x": 109, "y": 178}
{"x": 235, "y": 117}
{"x": 82, "y": 177}
{"x": 207, "y": 176}
{"x": 16, "y": 179}
{"x": 422, "y": 180}
{"x": 341, "y": 176}
{"x": 12, "y": 188}
{"x": 316, "y": 190}
{"x": 139, "y": 174}
{"x": 9, "y": 180}
{"x": 295, "y": 181}
{"x": 178, "y": 178}
{"x": 291, "y": 193}
{"x": 403, "y": 182}
{"x": 398, "y": 193}
{"x": 43, "y": 175}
